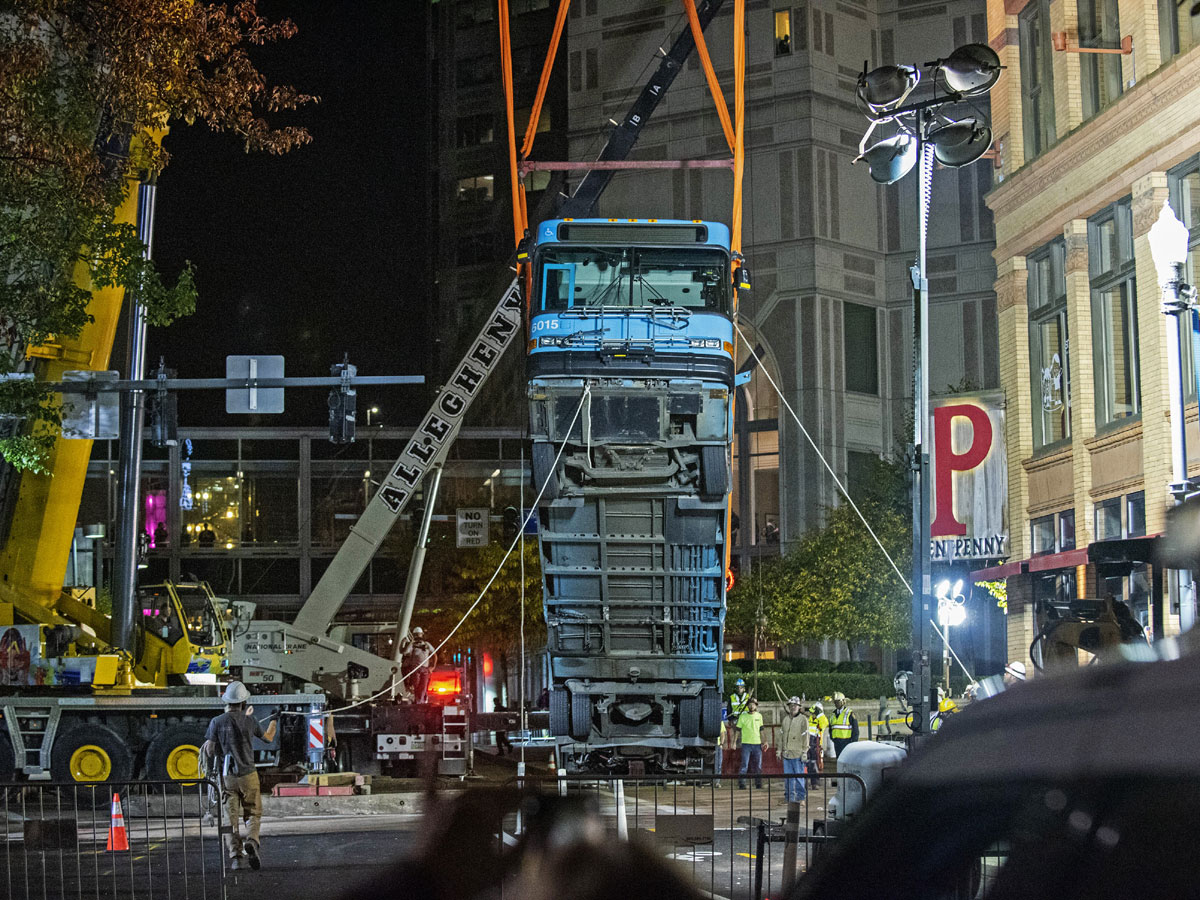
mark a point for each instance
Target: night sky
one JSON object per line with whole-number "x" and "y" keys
{"x": 320, "y": 251}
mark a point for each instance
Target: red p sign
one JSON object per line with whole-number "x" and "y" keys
{"x": 947, "y": 462}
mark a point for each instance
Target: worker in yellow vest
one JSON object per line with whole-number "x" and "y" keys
{"x": 843, "y": 727}
{"x": 739, "y": 700}
{"x": 945, "y": 708}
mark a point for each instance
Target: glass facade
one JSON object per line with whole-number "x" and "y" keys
{"x": 260, "y": 517}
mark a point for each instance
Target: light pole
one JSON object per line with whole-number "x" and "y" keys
{"x": 952, "y": 612}
{"x": 1169, "y": 240}
{"x": 924, "y": 133}
{"x": 373, "y": 411}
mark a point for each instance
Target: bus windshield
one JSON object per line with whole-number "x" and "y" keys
{"x": 691, "y": 278}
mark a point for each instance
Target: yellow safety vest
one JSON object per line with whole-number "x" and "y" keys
{"x": 840, "y": 726}
{"x": 738, "y": 704}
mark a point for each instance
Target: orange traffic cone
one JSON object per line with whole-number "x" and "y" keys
{"x": 117, "y": 838}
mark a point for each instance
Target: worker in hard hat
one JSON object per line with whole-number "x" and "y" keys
{"x": 793, "y": 748}
{"x": 750, "y": 725}
{"x": 417, "y": 662}
{"x": 739, "y": 700}
{"x": 229, "y": 742}
{"x": 945, "y": 708}
{"x": 1014, "y": 673}
{"x": 843, "y": 727}
{"x": 817, "y": 723}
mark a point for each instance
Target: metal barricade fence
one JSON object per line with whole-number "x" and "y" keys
{"x": 66, "y": 841}
{"x": 740, "y": 843}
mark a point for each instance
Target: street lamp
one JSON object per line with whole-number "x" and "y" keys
{"x": 1169, "y": 240}
{"x": 924, "y": 133}
{"x": 952, "y": 612}
{"x": 373, "y": 411}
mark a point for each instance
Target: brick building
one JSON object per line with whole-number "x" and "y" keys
{"x": 1090, "y": 146}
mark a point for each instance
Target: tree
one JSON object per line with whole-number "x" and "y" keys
{"x": 454, "y": 578}
{"x": 86, "y": 88}
{"x": 835, "y": 582}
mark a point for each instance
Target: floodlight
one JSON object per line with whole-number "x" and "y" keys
{"x": 960, "y": 143}
{"x": 971, "y": 69}
{"x": 887, "y": 86}
{"x": 1168, "y": 244}
{"x": 891, "y": 159}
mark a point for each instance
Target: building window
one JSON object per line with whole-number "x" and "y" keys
{"x": 1066, "y": 530}
{"x": 1042, "y": 533}
{"x": 1053, "y": 533}
{"x": 471, "y": 131}
{"x": 1114, "y": 314}
{"x": 1037, "y": 79}
{"x": 1108, "y": 519}
{"x": 1135, "y": 514}
{"x": 1100, "y": 73}
{"x": 537, "y": 181}
{"x": 1178, "y": 29}
{"x": 860, "y": 348}
{"x": 472, "y": 71}
{"x": 1049, "y": 345}
{"x": 476, "y": 188}
{"x": 1184, "y": 184}
{"x": 783, "y": 32}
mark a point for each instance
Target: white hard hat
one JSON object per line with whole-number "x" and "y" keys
{"x": 818, "y": 707}
{"x": 235, "y": 693}
{"x": 838, "y": 695}
{"x": 1016, "y": 669}
{"x": 418, "y": 631}
{"x": 793, "y": 701}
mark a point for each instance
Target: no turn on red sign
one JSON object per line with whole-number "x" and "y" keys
{"x": 472, "y": 528}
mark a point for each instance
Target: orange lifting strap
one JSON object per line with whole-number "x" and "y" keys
{"x": 547, "y": 68}
{"x": 518, "y": 190}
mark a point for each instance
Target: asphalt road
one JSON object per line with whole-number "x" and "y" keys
{"x": 318, "y": 858}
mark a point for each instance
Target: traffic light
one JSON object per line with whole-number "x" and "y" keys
{"x": 343, "y": 403}
{"x": 512, "y": 523}
{"x": 163, "y": 411}
{"x": 164, "y": 419}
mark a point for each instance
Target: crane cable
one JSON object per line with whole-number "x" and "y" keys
{"x": 846, "y": 493}
{"x": 518, "y": 540}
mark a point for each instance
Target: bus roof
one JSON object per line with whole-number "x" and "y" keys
{"x": 718, "y": 233}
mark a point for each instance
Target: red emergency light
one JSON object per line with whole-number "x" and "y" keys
{"x": 445, "y": 686}
{"x": 488, "y": 666}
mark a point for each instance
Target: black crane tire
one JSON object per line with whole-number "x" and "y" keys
{"x": 175, "y": 754}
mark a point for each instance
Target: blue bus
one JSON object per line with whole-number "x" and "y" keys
{"x": 634, "y": 481}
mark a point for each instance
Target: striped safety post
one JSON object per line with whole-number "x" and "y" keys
{"x": 316, "y": 740}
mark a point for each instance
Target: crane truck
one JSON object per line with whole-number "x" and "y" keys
{"x": 73, "y": 705}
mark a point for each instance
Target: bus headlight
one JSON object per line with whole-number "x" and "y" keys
{"x": 705, "y": 343}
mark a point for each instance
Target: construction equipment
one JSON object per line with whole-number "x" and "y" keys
{"x": 1083, "y": 631}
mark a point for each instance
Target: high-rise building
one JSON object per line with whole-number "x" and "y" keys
{"x": 829, "y": 248}
{"x": 1091, "y": 145}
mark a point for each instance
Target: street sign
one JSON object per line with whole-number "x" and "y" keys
{"x": 253, "y": 399}
{"x": 94, "y": 417}
{"x": 472, "y": 528}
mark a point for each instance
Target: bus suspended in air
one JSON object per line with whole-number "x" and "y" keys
{"x": 631, "y": 372}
